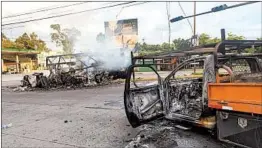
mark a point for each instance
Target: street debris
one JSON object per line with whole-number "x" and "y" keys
{"x": 71, "y": 71}
{"x": 5, "y": 126}
{"x": 182, "y": 127}
{"x": 155, "y": 135}
{"x": 163, "y": 133}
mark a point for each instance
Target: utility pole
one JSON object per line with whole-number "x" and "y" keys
{"x": 194, "y": 38}
{"x": 168, "y": 20}
{"x": 194, "y": 18}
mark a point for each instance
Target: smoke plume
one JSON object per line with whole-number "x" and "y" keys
{"x": 110, "y": 55}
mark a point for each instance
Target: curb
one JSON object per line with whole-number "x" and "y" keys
{"x": 151, "y": 79}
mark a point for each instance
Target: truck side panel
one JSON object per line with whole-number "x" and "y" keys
{"x": 240, "y": 97}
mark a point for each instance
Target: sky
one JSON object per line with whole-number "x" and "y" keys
{"x": 152, "y": 20}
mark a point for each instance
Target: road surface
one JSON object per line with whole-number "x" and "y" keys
{"x": 91, "y": 117}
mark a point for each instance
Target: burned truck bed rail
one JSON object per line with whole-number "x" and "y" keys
{"x": 57, "y": 61}
{"x": 226, "y": 47}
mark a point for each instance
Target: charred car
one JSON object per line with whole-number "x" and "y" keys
{"x": 183, "y": 96}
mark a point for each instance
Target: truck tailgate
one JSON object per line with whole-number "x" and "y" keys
{"x": 241, "y": 97}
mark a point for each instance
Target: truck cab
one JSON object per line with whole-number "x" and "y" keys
{"x": 190, "y": 95}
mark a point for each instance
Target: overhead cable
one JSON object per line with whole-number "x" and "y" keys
{"x": 27, "y": 13}
{"x": 129, "y": 6}
{"x": 55, "y": 16}
{"x": 185, "y": 16}
{"x": 12, "y": 27}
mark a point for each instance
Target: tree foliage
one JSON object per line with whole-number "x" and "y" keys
{"x": 255, "y": 50}
{"x": 206, "y": 39}
{"x": 65, "y": 38}
{"x": 231, "y": 36}
{"x": 180, "y": 44}
{"x": 6, "y": 43}
{"x": 25, "y": 41}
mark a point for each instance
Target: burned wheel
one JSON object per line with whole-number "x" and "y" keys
{"x": 131, "y": 116}
{"x": 44, "y": 82}
{"x": 98, "y": 78}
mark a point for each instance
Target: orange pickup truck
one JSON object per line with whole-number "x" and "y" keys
{"x": 226, "y": 99}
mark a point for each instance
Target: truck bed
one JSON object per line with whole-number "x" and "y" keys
{"x": 240, "y": 97}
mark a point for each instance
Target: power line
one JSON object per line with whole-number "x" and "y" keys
{"x": 42, "y": 8}
{"x": 19, "y": 19}
{"x": 185, "y": 16}
{"x": 23, "y": 19}
{"x": 129, "y": 6}
{"x": 135, "y": 4}
{"x": 57, "y": 13}
{"x": 38, "y": 19}
{"x": 10, "y": 16}
{"x": 12, "y": 27}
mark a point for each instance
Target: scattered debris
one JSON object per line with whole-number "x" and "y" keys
{"x": 154, "y": 137}
{"x": 20, "y": 88}
{"x": 182, "y": 127}
{"x": 64, "y": 73}
{"x": 5, "y": 126}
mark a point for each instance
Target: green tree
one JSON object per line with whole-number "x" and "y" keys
{"x": 231, "y": 36}
{"x": 259, "y": 49}
{"x": 204, "y": 39}
{"x": 23, "y": 41}
{"x": 6, "y": 43}
{"x": 180, "y": 44}
{"x": 31, "y": 41}
{"x": 3, "y": 37}
{"x": 166, "y": 47}
{"x": 65, "y": 38}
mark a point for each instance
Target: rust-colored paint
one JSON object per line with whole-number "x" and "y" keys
{"x": 242, "y": 97}
{"x": 173, "y": 61}
{"x": 207, "y": 122}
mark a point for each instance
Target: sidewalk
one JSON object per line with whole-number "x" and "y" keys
{"x": 15, "y": 79}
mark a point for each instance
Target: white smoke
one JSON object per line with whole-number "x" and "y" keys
{"x": 112, "y": 56}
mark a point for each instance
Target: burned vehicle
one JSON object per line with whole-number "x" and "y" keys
{"x": 77, "y": 70}
{"x": 183, "y": 97}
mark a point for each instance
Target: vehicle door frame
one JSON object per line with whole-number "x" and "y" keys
{"x": 131, "y": 73}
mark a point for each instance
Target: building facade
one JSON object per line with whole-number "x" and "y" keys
{"x": 19, "y": 60}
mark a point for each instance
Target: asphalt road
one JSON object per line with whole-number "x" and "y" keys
{"x": 91, "y": 117}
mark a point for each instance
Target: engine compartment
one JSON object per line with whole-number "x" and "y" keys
{"x": 185, "y": 97}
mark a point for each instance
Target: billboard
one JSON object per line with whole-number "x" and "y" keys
{"x": 122, "y": 32}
